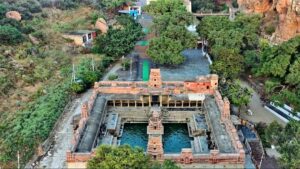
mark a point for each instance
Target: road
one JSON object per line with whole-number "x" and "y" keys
{"x": 260, "y": 114}
{"x": 56, "y": 157}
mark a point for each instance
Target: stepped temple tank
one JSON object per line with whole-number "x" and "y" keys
{"x": 187, "y": 122}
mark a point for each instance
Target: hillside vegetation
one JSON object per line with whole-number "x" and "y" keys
{"x": 35, "y": 77}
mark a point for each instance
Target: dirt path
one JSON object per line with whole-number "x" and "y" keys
{"x": 260, "y": 114}
{"x": 113, "y": 70}
{"x": 56, "y": 157}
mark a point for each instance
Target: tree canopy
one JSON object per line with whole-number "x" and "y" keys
{"x": 165, "y": 51}
{"x": 287, "y": 140}
{"x": 237, "y": 39}
{"x": 110, "y": 157}
{"x": 237, "y": 94}
{"x": 110, "y": 4}
{"x": 163, "y": 7}
{"x": 170, "y": 21}
{"x": 281, "y": 64}
{"x": 119, "y": 41}
{"x": 9, "y": 35}
{"x": 228, "y": 63}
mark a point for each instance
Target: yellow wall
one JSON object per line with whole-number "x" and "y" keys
{"x": 76, "y": 165}
{"x": 78, "y": 40}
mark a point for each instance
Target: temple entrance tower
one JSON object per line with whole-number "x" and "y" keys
{"x": 155, "y": 79}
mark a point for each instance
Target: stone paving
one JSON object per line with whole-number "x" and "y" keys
{"x": 260, "y": 114}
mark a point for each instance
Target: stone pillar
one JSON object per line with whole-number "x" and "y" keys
{"x": 114, "y": 102}
{"x": 160, "y": 100}
{"x": 226, "y": 109}
{"x": 121, "y": 103}
{"x": 84, "y": 110}
{"x": 149, "y": 101}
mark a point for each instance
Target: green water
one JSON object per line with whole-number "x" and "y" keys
{"x": 135, "y": 134}
{"x": 174, "y": 139}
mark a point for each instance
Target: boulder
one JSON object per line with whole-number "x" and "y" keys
{"x": 13, "y": 15}
{"x": 101, "y": 25}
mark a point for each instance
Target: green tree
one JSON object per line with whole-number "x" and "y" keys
{"x": 179, "y": 33}
{"x": 166, "y": 51}
{"x": 238, "y": 39}
{"x": 108, "y": 157}
{"x": 238, "y": 95}
{"x": 281, "y": 63}
{"x": 118, "y": 42}
{"x": 228, "y": 63}
{"x": 3, "y": 10}
{"x": 10, "y": 35}
{"x": 203, "y": 5}
{"x": 273, "y": 132}
{"x": 87, "y": 72}
{"x": 293, "y": 76}
{"x": 179, "y": 18}
{"x": 111, "y": 4}
{"x": 290, "y": 145}
{"x": 167, "y": 164}
{"x": 162, "y": 7}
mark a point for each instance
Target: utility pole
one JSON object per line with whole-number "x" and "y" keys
{"x": 131, "y": 68}
{"x": 73, "y": 74}
{"x": 18, "y": 160}
{"x": 93, "y": 64}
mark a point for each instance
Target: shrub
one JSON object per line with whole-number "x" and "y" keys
{"x": 32, "y": 5}
{"x": 94, "y": 16}
{"x": 270, "y": 29}
{"x": 27, "y": 29}
{"x": 3, "y": 10}
{"x": 39, "y": 34}
{"x": 25, "y": 13}
{"x": 112, "y": 77}
{"x": 78, "y": 87}
{"x": 11, "y": 22}
{"x": 106, "y": 61}
{"x": 67, "y": 4}
{"x": 126, "y": 64}
{"x": 10, "y": 35}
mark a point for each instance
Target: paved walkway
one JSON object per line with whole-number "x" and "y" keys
{"x": 260, "y": 114}
{"x": 56, "y": 157}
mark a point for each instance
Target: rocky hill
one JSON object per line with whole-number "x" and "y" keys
{"x": 281, "y": 17}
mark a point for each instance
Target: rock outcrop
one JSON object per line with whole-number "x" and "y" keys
{"x": 101, "y": 25}
{"x": 13, "y": 15}
{"x": 287, "y": 13}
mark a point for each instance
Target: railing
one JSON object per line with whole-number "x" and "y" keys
{"x": 211, "y": 14}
